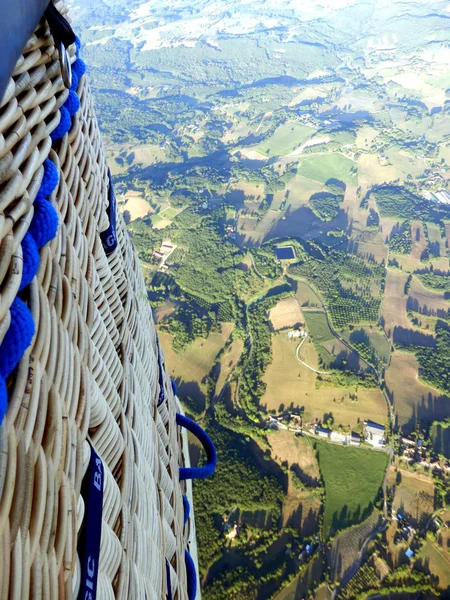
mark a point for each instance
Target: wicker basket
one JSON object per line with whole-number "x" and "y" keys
{"x": 88, "y": 397}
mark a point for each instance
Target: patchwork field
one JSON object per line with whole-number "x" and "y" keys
{"x": 394, "y": 307}
{"x": 163, "y": 311}
{"x": 135, "y": 204}
{"x": 346, "y": 547}
{"x": 436, "y": 560}
{"x": 286, "y": 313}
{"x": 436, "y": 244}
{"x": 290, "y": 383}
{"x": 297, "y": 193}
{"x": 190, "y": 367}
{"x": 346, "y": 468}
{"x": 297, "y": 452}
{"x": 371, "y": 172}
{"x": 419, "y": 242}
{"x": 322, "y": 167}
{"x": 318, "y": 327}
{"x": 441, "y": 439}
{"x": 413, "y": 496}
{"x": 228, "y": 362}
{"x": 301, "y": 506}
{"x": 301, "y": 585}
{"x": 376, "y": 339}
{"x": 286, "y": 138}
{"x": 365, "y": 136}
{"x": 253, "y": 232}
{"x": 412, "y": 399}
{"x": 426, "y": 301}
{"x": 306, "y": 295}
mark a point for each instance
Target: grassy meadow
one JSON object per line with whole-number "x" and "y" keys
{"x": 344, "y": 469}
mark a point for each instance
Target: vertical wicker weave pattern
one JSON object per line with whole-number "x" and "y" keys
{"x": 91, "y": 371}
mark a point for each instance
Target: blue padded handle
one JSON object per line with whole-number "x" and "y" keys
{"x": 191, "y": 576}
{"x": 211, "y": 454}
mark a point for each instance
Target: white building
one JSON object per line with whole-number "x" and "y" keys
{"x": 375, "y": 434}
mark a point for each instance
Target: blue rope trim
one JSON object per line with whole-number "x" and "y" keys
{"x": 31, "y": 260}
{"x": 187, "y": 509}
{"x": 174, "y": 387}
{"x": 191, "y": 576}
{"x": 74, "y": 85}
{"x": 79, "y": 68}
{"x": 44, "y": 225}
{"x": 49, "y": 180}
{"x": 64, "y": 125}
{"x": 211, "y": 454}
{"x": 43, "y": 228}
{"x": 17, "y": 338}
{"x": 72, "y": 104}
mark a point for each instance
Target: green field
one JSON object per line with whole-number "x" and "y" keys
{"x": 285, "y": 139}
{"x": 329, "y": 166}
{"x": 318, "y": 326}
{"x": 352, "y": 477}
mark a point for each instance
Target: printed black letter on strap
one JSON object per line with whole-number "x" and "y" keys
{"x": 109, "y": 237}
{"x": 89, "y": 545}
{"x": 162, "y": 391}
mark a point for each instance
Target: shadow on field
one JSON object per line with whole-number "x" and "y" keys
{"x": 303, "y": 223}
{"x": 409, "y": 337}
{"x": 430, "y": 408}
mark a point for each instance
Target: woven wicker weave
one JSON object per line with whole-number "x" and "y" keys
{"x": 91, "y": 372}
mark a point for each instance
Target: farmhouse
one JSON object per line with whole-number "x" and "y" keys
{"x": 297, "y": 333}
{"x": 375, "y": 434}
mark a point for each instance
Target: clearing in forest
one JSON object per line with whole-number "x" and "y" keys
{"x": 353, "y": 479}
{"x": 286, "y": 313}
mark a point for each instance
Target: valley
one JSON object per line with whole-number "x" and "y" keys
{"x": 283, "y": 173}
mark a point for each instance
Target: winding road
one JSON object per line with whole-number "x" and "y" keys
{"x": 303, "y": 362}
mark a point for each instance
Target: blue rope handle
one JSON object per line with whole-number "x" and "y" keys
{"x": 191, "y": 576}
{"x": 211, "y": 454}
